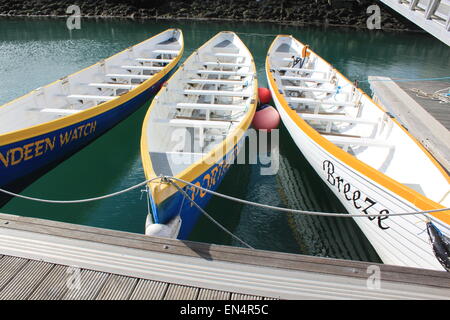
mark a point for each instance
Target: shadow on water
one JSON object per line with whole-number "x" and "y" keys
{"x": 303, "y": 189}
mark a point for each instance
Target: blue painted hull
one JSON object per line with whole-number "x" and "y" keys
{"x": 177, "y": 204}
{"x": 30, "y": 157}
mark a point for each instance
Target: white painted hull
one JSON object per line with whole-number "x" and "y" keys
{"x": 367, "y": 159}
{"x": 405, "y": 242}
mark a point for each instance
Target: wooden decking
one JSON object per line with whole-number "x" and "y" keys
{"x": 426, "y": 119}
{"x": 25, "y": 279}
{"x": 42, "y": 259}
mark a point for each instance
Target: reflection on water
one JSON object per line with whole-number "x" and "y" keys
{"x": 319, "y": 236}
{"x": 35, "y": 52}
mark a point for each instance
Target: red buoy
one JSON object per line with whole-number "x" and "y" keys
{"x": 266, "y": 118}
{"x": 264, "y": 95}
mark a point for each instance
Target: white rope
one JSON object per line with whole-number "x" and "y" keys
{"x": 79, "y": 200}
{"x": 328, "y": 214}
{"x": 208, "y": 216}
{"x": 437, "y": 95}
{"x": 168, "y": 179}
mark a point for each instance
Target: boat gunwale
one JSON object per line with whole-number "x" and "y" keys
{"x": 162, "y": 191}
{"x": 68, "y": 120}
{"x": 417, "y": 199}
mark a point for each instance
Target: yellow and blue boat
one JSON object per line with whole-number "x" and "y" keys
{"x": 46, "y": 126}
{"x": 194, "y": 129}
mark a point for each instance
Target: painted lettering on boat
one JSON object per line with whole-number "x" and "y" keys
{"x": 353, "y": 195}
{"x": 77, "y": 133}
{"x": 38, "y": 148}
{"x": 211, "y": 178}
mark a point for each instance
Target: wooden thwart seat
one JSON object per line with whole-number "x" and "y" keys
{"x": 216, "y": 81}
{"x": 217, "y": 93}
{"x": 226, "y": 55}
{"x": 208, "y": 106}
{"x": 311, "y": 89}
{"x": 222, "y": 72}
{"x": 112, "y": 86}
{"x": 300, "y": 70}
{"x": 224, "y": 64}
{"x": 153, "y": 60}
{"x": 162, "y": 51}
{"x": 60, "y": 111}
{"x": 195, "y": 123}
{"x": 128, "y": 76}
{"x": 142, "y": 68}
{"x": 335, "y": 118}
{"x": 346, "y": 141}
{"x": 327, "y": 102}
{"x": 301, "y": 112}
{"x": 90, "y": 97}
{"x": 307, "y": 79}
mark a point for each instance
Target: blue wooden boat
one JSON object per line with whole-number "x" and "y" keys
{"x": 44, "y": 127}
{"x": 194, "y": 129}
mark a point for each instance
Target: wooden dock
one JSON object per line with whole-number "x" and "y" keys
{"x": 42, "y": 259}
{"x": 426, "y": 119}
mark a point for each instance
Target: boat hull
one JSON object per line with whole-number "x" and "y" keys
{"x": 178, "y": 205}
{"x": 26, "y": 159}
{"x": 399, "y": 240}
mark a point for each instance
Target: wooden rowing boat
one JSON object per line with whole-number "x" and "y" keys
{"x": 369, "y": 161}
{"x": 44, "y": 127}
{"x": 194, "y": 129}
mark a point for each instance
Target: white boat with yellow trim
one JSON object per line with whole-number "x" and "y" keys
{"x": 194, "y": 129}
{"x": 44, "y": 127}
{"x": 369, "y": 161}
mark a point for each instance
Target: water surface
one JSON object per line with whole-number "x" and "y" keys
{"x": 35, "y": 52}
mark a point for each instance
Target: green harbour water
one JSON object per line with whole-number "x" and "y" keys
{"x": 35, "y": 52}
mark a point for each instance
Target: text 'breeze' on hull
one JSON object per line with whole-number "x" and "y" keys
{"x": 369, "y": 161}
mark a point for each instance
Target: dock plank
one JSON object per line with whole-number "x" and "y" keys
{"x": 240, "y": 296}
{"x": 9, "y": 267}
{"x": 117, "y": 287}
{"x": 217, "y": 252}
{"x": 26, "y": 280}
{"x": 426, "y": 119}
{"x": 90, "y": 285}
{"x": 208, "y": 294}
{"x": 188, "y": 269}
{"x": 54, "y": 286}
{"x": 180, "y": 292}
{"x": 149, "y": 290}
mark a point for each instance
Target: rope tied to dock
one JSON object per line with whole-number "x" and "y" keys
{"x": 439, "y": 95}
{"x": 207, "y": 215}
{"x": 169, "y": 179}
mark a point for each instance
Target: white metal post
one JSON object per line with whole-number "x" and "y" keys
{"x": 413, "y": 4}
{"x": 431, "y": 9}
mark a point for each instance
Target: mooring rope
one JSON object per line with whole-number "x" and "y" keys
{"x": 208, "y": 216}
{"x": 79, "y": 200}
{"x": 168, "y": 179}
{"x": 437, "y": 95}
{"x": 305, "y": 212}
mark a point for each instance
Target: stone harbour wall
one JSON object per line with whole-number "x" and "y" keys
{"x": 352, "y": 13}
